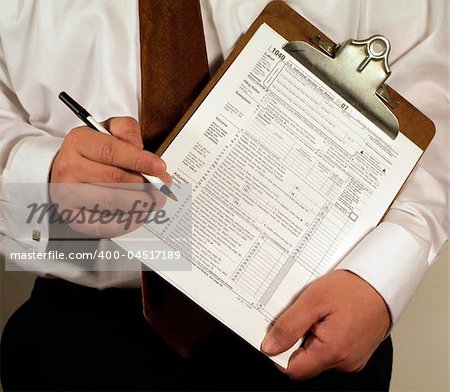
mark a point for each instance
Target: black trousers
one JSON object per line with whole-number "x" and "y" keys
{"x": 69, "y": 337}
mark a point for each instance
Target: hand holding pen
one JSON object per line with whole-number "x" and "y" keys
{"x": 87, "y": 118}
{"x": 95, "y": 169}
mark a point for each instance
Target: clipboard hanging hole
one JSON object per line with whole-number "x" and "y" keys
{"x": 378, "y": 48}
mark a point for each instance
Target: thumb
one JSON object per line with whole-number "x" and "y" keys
{"x": 126, "y": 129}
{"x": 293, "y": 324}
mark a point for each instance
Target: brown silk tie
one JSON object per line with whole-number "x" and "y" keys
{"x": 174, "y": 69}
{"x": 173, "y": 63}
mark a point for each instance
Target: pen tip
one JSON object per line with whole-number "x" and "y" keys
{"x": 166, "y": 190}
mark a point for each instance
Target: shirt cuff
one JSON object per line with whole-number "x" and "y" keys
{"x": 393, "y": 261}
{"x": 31, "y": 160}
{"x": 24, "y": 182}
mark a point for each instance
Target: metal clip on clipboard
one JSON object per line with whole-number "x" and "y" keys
{"x": 357, "y": 70}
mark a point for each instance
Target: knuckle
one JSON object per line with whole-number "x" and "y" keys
{"x": 132, "y": 136}
{"x": 300, "y": 374}
{"x": 295, "y": 375}
{"x": 284, "y": 327}
{"x": 298, "y": 377}
{"x": 130, "y": 122}
{"x": 117, "y": 175}
{"x": 64, "y": 165}
{"x": 338, "y": 355}
{"x": 348, "y": 368}
{"x": 358, "y": 368}
{"x": 60, "y": 194}
{"x": 138, "y": 162}
{"x": 72, "y": 138}
{"x": 77, "y": 138}
{"x": 127, "y": 128}
{"x": 108, "y": 153}
{"x": 354, "y": 366}
{"x": 107, "y": 123}
{"x": 123, "y": 123}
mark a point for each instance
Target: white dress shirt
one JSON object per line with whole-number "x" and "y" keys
{"x": 91, "y": 49}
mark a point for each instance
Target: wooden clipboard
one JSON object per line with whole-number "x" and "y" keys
{"x": 283, "y": 19}
{"x": 280, "y": 17}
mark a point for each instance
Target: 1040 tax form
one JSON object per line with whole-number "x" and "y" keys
{"x": 287, "y": 177}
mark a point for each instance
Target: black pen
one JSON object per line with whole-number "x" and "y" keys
{"x": 91, "y": 122}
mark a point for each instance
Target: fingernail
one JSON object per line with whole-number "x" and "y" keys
{"x": 158, "y": 166}
{"x": 167, "y": 178}
{"x": 270, "y": 344}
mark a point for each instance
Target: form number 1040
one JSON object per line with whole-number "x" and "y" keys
{"x": 277, "y": 53}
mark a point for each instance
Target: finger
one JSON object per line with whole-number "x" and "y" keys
{"x": 94, "y": 197}
{"x": 102, "y": 212}
{"x": 112, "y": 151}
{"x": 78, "y": 169}
{"x": 96, "y": 219}
{"x": 293, "y": 324}
{"x": 166, "y": 178}
{"x": 126, "y": 129}
{"x": 310, "y": 360}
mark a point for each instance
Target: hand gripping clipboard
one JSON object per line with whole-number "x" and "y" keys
{"x": 356, "y": 70}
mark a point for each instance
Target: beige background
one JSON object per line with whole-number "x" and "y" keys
{"x": 421, "y": 338}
